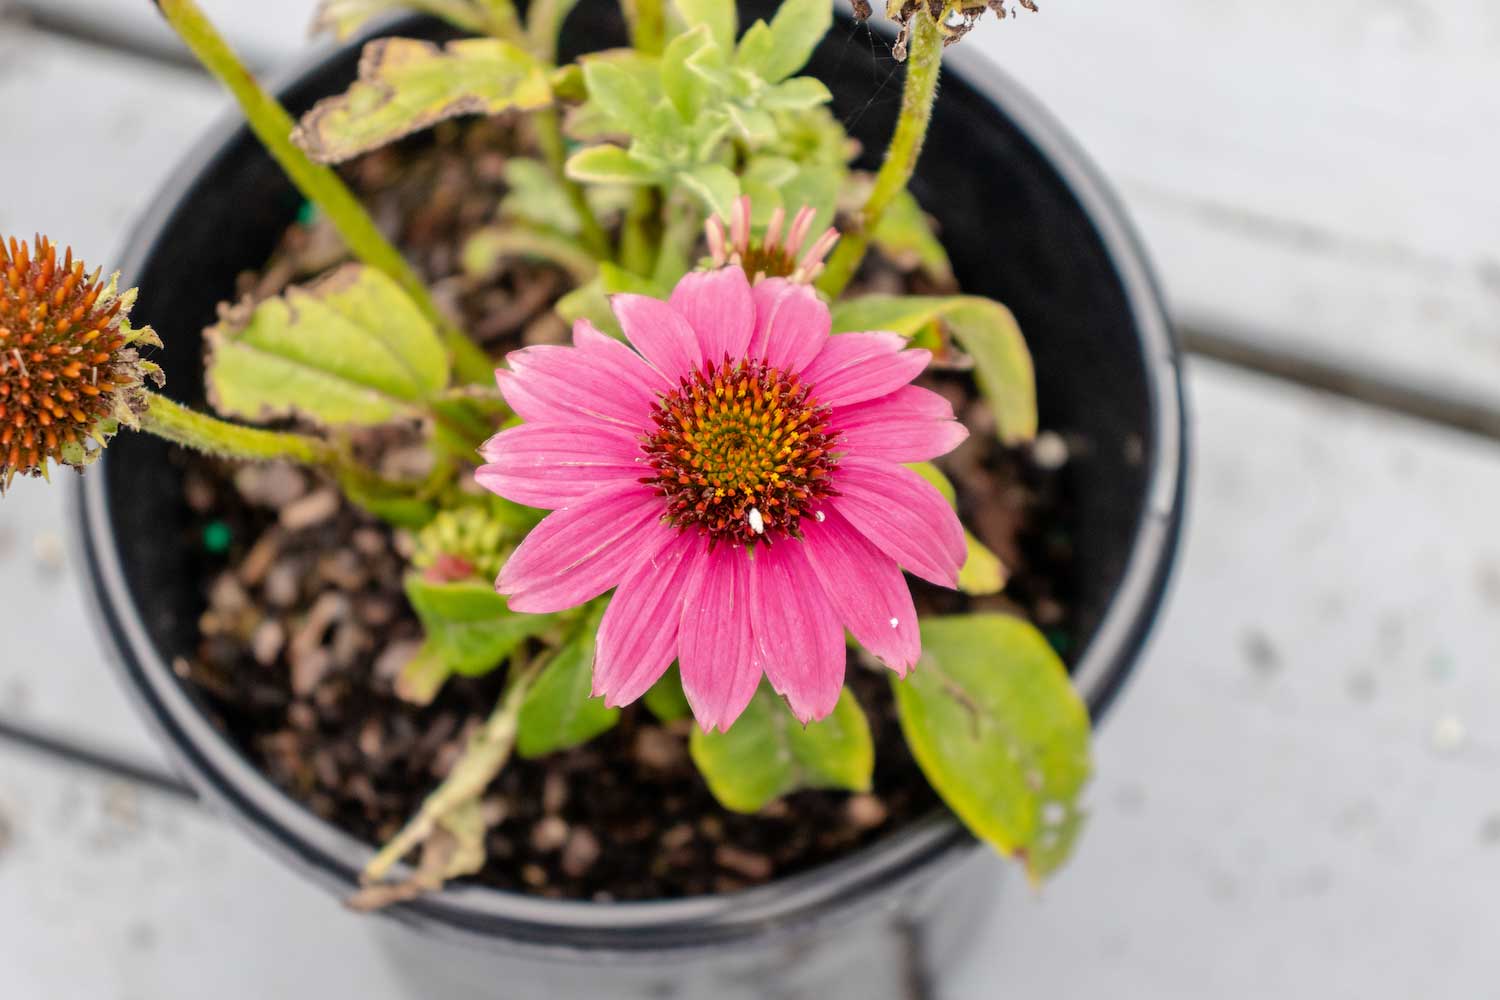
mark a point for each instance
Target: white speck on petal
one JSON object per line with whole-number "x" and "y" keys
{"x": 757, "y": 523}
{"x": 820, "y": 516}
{"x": 895, "y": 623}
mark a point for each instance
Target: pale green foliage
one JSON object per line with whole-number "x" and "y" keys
{"x": 559, "y": 711}
{"x": 906, "y": 237}
{"x": 351, "y": 349}
{"x": 767, "y": 753}
{"x": 697, "y": 116}
{"x": 992, "y": 719}
{"x": 407, "y": 85}
{"x": 985, "y": 330}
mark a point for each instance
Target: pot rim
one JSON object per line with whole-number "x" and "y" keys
{"x": 565, "y": 928}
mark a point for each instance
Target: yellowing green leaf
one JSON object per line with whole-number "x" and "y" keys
{"x": 905, "y": 235}
{"x": 720, "y": 17}
{"x": 609, "y": 165}
{"x": 351, "y": 349}
{"x": 767, "y": 753}
{"x": 407, "y": 85}
{"x": 345, "y": 18}
{"x": 985, "y": 330}
{"x": 993, "y": 721}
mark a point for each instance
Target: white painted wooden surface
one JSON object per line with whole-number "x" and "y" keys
{"x": 1318, "y": 177}
{"x": 1296, "y": 795}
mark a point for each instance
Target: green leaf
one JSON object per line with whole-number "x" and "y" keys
{"x": 904, "y": 234}
{"x": 982, "y": 573}
{"x": 683, "y": 86}
{"x": 767, "y": 753}
{"x": 797, "y": 28}
{"x": 984, "y": 329}
{"x": 994, "y": 723}
{"x": 609, "y": 165}
{"x": 666, "y": 700}
{"x": 715, "y": 186}
{"x": 558, "y": 712}
{"x": 407, "y": 85}
{"x": 797, "y": 94}
{"x": 617, "y": 280}
{"x": 469, "y": 625}
{"x": 350, "y": 350}
{"x": 624, "y": 87}
{"x": 720, "y": 17}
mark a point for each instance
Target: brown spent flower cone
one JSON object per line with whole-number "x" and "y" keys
{"x": 70, "y": 371}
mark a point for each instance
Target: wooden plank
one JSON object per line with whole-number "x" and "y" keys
{"x": 1315, "y": 178}
{"x": 1295, "y": 795}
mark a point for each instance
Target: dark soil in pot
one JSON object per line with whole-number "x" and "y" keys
{"x": 304, "y": 624}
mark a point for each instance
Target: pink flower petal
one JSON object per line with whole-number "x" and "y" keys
{"x": 866, "y": 588}
{"x": 717, "y": 305}
{"x": 791, "y": 324}
{"x": 638, "y": 636}
{"x": 715, "y": 642}
{"x": 628, "y": 365}
{"x": 798, "y": 637}
{"x": 904, "y": 515}
{"x": 553, "y": 384}
{"x": 854, "y": 367}
{"x": 660, "y": 333}
{"x": 911, "y": 424}
{"x": 583, "y": 549}
{"x": 551, "y": 465}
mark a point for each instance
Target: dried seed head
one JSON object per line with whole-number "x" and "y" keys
{"x": 70, "y": 372}
{"x": 956, "y": 18}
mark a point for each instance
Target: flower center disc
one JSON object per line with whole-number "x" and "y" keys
{"x": 741, "y": 451}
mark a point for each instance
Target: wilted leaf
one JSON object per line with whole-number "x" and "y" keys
{"x": 767, "y": 753}
{"x": 559, "y": 711}
{"x": 351, "y": 349}
{"x": 995, "y": 724}
{"x": 985, "y": 330}
{"x": 407, "y": 85}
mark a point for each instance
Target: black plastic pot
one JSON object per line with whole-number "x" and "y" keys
{"x": 1027, "y": 221}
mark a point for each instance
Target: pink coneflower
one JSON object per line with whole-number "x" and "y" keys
{"x": 738, "y": 479}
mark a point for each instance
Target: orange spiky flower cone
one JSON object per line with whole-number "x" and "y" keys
{"x": 70, "y": 369}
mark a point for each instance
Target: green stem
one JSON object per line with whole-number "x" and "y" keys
{"x": 923, "y": 67}
{"x": 319, "y": 184}
{"x": 201, "y": 432}
{"x": 648, "y": 25}
{"x": 544, "y": 23}
{"x": 679, "y": 235}
{"x": 502, "y": 21}
{"x": 635, "y": 239}
{"x": 550, "y": 138}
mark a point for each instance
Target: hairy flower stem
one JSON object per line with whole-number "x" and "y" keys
{"x": 486, "y": 754}
{"x": 184, "y": 426}
{"x": 924, "y": 65}
{"x": 319, "y": 184}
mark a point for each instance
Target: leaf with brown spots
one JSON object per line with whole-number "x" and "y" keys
{"x": 406, "y": 85}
